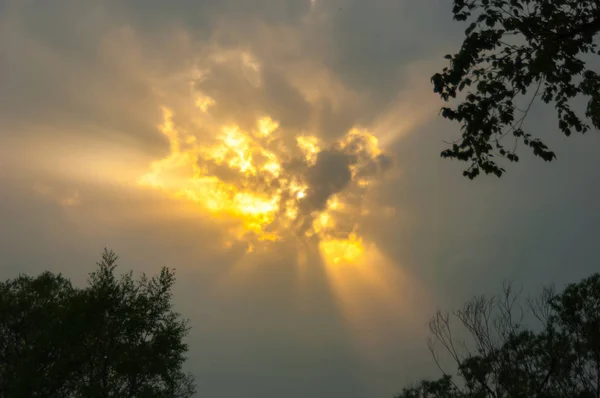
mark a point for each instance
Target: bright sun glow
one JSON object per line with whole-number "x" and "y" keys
{"x": 245, "y": 179}
{"x": 342, "y": 250}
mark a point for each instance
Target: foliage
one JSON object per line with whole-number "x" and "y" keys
{"x": 515, "y": 51}
{"x": 560, "y": 357}
{"x": 116, "y": 337}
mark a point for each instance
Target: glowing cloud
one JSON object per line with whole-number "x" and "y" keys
{"x": 203, "y": 102}
{"x": 265, "y": 191}
{"x": 337, "y": 251}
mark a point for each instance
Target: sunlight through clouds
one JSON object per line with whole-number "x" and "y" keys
{"x": 284, "y": 157}
{"x": 372, "y": 293}
{"x": 252, "y": 145}
{"x": 264, "y": 190}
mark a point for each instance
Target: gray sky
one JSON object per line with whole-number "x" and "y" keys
{"x": 97, "y": 95}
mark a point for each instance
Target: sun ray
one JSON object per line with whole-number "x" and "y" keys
{"x": 374, "y": 295}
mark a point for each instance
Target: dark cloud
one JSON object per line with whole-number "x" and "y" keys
{"x": 243, "y": 95}
{"x": 374, "y": 40}
{"x": 56, "y": 74}
{"x": 332, "y": 174}
{"x": 285, "y": 102}
{"x": 329, "y": 175}
{"x": 201, "y": 16}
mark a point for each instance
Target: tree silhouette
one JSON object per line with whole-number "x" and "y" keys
{"x": 515, "y": 51}
{"x": 559, "y": 356}
{"x": 114, "y": 338}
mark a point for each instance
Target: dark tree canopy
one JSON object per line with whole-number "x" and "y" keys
{"x": 117, "y": 337}
{"x": 557, "y": 356}
{"x": 514, "y": 52}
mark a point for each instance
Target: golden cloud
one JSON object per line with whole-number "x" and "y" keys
{"x": 266, "y": 190}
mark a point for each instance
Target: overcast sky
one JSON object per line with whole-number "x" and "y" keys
{"x": 97, "y": 95}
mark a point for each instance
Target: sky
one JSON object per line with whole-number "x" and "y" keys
{"x": 283, "y": 157}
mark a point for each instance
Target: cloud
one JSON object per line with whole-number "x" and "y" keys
{"x": 263, "y": 186}
{"x": 329, "y": 175}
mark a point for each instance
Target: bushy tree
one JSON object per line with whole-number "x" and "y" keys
{"x": 116, "y": 337}
{"x": 557, "y": 356}
{"x": 515, "y": 51}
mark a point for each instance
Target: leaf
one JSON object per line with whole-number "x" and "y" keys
{"x": 471, "y": 28}
{"x": 549, "y": 51}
